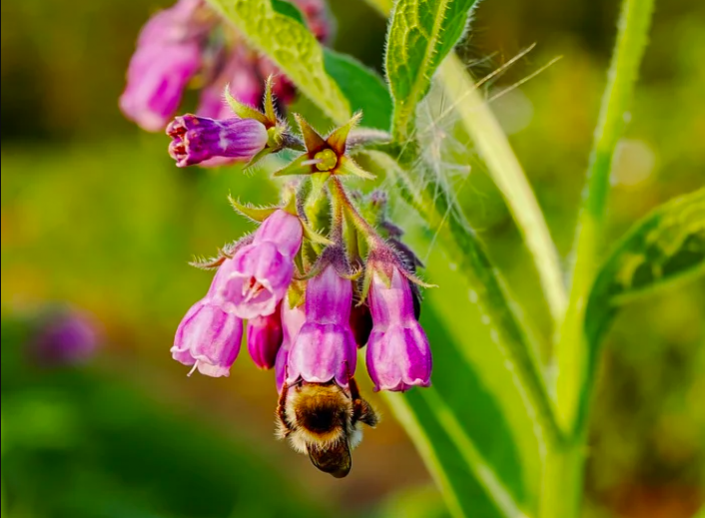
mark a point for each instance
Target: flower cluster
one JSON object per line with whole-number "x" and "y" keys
{"x": 189, "y": 40}
{"x": 325, "y": 273}
{"x": 310, "y": 301}
{"x": 309, "y": 324}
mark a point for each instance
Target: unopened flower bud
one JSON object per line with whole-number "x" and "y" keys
{"x": 197, "y": 139}
{"x": 264, "y": 337}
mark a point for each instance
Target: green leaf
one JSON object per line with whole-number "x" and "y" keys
{"x": 666, "y": 246}
{"x": 421, "y": 34}
{"x": 291, "y": 46}
{"x": 363, "y": 87}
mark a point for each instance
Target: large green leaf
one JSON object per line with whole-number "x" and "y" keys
{"x": 421, "y": 34}
{"x": 278, "y": 29}
{"x": 292, "y": 47}
{"x": 665, "y": 246}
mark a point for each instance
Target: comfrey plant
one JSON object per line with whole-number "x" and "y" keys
{"x": 326, "y": 273}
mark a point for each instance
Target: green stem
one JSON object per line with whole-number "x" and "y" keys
{"x": 506, "y": 171}
{"x": 571, "y": 353}
{"x": 562, "y": 481}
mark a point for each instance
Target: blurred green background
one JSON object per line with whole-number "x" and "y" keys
{"x": 96, "y": 216}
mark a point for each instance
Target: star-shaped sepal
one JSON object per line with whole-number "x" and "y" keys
{"x": 325, "y": 156}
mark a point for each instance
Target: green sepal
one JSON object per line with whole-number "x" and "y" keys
{"x": 289, "y": 199}
{"x": 257, "y": 214}
{"x": 295, "y": 294}
{"x": 314, "y": 236}
{"x": 366, "y": 283}
{"x": 347, "y": 165}
{"x": 338, "y": 138}
{"x": 313, "y": 141}
{"x": 416, "y": 280}
{"x": 244, "y": 111}
{"x": 269, "y": 110}
{"x": 296, "y": 167}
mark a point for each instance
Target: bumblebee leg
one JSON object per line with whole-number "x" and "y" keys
{"x": 362, "y": 410}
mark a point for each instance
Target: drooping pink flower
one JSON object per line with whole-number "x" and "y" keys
{"x": 261, "y": 272}
{"x": 398, "y": 354}
{"x": 208, "y": 338}
{"x": 325, "y": 349}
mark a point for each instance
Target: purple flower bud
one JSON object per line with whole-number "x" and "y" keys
{"x": 292, "y": 319}
{"x": 196, "y": 139}
{"x": 260, "y": 273}
{"x": 325, "y": 347}
{"x": 361, "y": 323}
{"x": 264, "y": 337}
{"x": 208, "y": 338}
{"x": 168, "y": 55}
{"x": 398, "y": 354}
{"x": 67, "y": 337}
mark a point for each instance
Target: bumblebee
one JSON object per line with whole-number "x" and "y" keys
{"x": 322, "y": 420}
